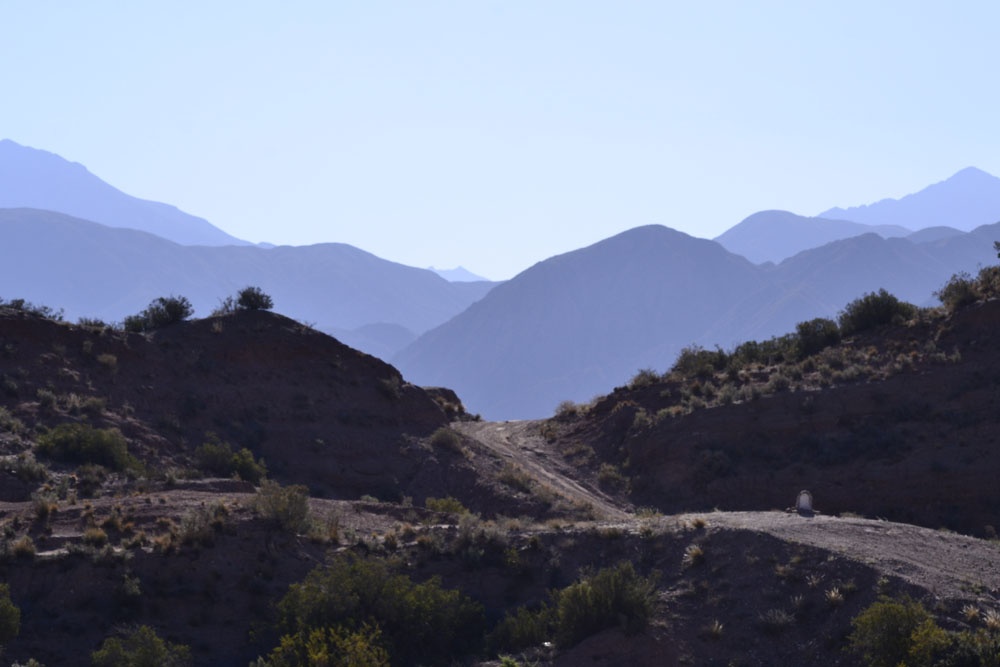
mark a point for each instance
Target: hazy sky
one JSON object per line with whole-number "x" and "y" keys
{"x": 494, "y": 134}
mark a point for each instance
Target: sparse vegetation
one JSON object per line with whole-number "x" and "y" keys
{"x": 161, "y": 312}
{"x": 141, "y": 647}
{"x": 81, "y": 443}
{"x": 10, "y": 616}
{"x": 218, "y": 458}
{"x": 285, "y": 506}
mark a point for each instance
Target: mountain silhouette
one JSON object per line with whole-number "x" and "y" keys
{"x": 93, "y": 270}
{"x": 967, "y": 200}
{"x": 771, "y": 236}
{"x": 31, "y": 178}
{"x": 578, "y": 324}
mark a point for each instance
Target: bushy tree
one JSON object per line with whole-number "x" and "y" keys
{"x": 82, "y": 443}
{"x": 960, "y": 290}
{"x": 10, "y": 616}
{"x": 162, "y": 311}
{"x": 884, "y": 632}
{"x": 873, "y": 310}
{"x": 140, "y": 648}
{"x": 253, "y": 298}
{"x": 419, "y": 623}
{"x": 817, "y": 334}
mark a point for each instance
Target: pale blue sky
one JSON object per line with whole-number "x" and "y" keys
{"x": 494, "y": 134}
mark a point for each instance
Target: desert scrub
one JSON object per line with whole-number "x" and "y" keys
{"x": 285, "y": 506}
{"x": 448, "y": 505}
{"x": 419, "y": 623}
{"x": 610, "y": 478}
{"x": 10, "y": 617}
{"x": 218, "y": 458}
{"x": 884, "y": 633}
{"x": 516, "y": 478}
{"x": 615, "y": 596}
{"x": 141, "y": 646}
{"x": 446, "y": 438}
{"x": 81, "y": 443}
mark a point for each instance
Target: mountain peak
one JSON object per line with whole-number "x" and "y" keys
{"x": 39, "y": 179}
{"x": 967, "y": 199}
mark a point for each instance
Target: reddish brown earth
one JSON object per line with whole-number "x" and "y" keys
{"x": 916, "y": 447}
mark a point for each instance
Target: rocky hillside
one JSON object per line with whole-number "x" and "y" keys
{"x": 149, "y": 500}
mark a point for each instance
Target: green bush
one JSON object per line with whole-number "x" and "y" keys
{"x": 285, "y": 506}
{"x": 816, "y": 335}
{"x": 448, "y": 505}
{"x": 330, "y": 647}
{"x": 10, "y": 616}
{"x": 960, "y": 290}
{"x": 612, "y": 597}
{"x": 253, "y": 298}
{"x": 420, "y": 623}
{"x": 695, "y": 361}
{"x": 218, "y": 458}
{"x": 884, "y": 632}
{"x": 446, "y": 438}
{"x": 140, "y": 648}
{"x": 873, "y": 310}
{"x": 161, "y": 312}
{"x": 82, "y": 443}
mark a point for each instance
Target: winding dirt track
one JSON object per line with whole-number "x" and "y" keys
{"x": 521, "y": 442}
{"x": 950, "y": 565}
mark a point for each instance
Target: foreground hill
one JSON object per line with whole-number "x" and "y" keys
{"x": 96, "y": 271}
{"x": 31, "y": 178}
{"x": 897, "y": 422}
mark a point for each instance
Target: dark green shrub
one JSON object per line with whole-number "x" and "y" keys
{"x": 446, "y": 438}
{"x": 140, "y": 648}
{"x": 253, "y": 298}
{"x": 960, "y": 290}
{"x": 420, "y": 623}
{"x": 218, "y": 458}
{"x": 81, "y": 443}
{"x": 285, "y": 506}
{"x": 988, "y": 282}
{"x": 449, "y": 505}
{"x": 815, "y": 335}
{"x": 33, "y": 309}
{"x": 883, "y": 633}
{"x": 644, "y": 377}
{"x": 612, "y": 597}
{"x": 331, "y": 647}
{"x": 10, "y": 616}
{"x": 695, "y": 361}
{"x": 873, "y": 310}
{"x": 767, "y": 352}
{"x": 161, "y": 312}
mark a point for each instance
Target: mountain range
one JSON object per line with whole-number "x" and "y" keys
{"x": 568, "y": 328}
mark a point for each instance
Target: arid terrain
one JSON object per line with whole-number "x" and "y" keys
{"x": 259, "y": 450}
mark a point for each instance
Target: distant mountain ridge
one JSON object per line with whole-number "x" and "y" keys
{"x": 31, "y": 178}
{"x": 98, "y": 271}
{"x": 575, "y": 325}
{"x": 968, "y": 199}
{"x": 771, "y": 236}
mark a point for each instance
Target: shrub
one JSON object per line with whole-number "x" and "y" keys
{"x": 816, "y": 334}
{"x": 873, "y": 310}
{"x": 10, "y": 616}
{"x": 613, "y": 596}
{"x": 140, "y": 648}
{"x": 960, "y": 290}
{"x": 448, "y": 505}
{"x": 644, "y": 377}
{"x": 218, "y": 458}
{"x": 420, "y": 623}
{"x": 331, "y": 647}
{"x": 285, "y": 506}
{"x": 253, "y": 298}
{"x": 446, "y": 438}
{"x": 884, "y": 632}
{"x": 161, "y": 312}
{"x": 81, "y": 443}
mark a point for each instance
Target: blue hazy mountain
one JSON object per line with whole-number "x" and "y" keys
{"x": 31, "y": 178}
{"x": 969, "y": 199}
{"x": 771, "y": 236}
{"x": 93, "y": 270}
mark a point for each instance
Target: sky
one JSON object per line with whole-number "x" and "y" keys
{"x": 493, "y": 134}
